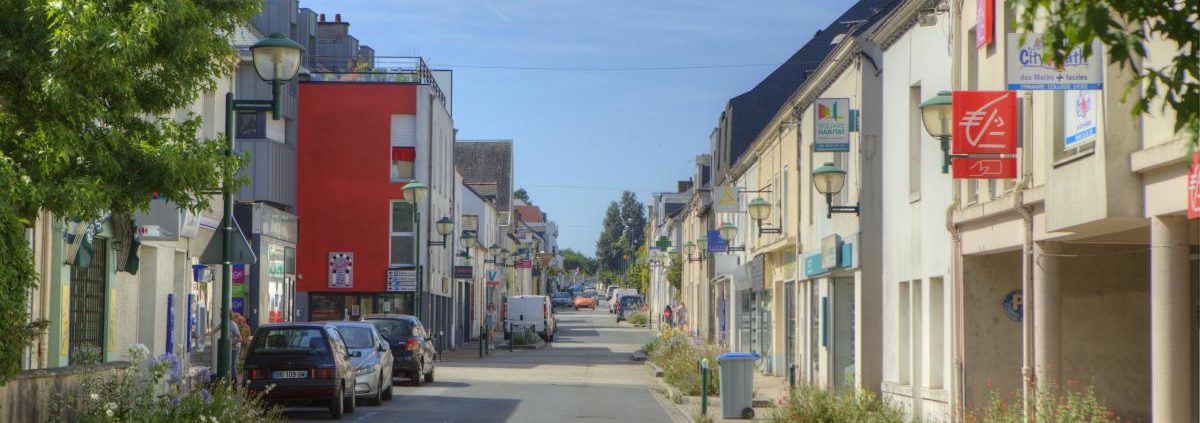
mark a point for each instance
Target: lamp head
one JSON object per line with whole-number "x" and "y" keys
{"x": 828, "y": 179}
{"x": 444, "y": 226}
{"x": 728, "y": 231}
{"x": 759, "y": 209}
{"x": 935, "y": 114}
{"x": 415, "y": 192}
{"x": 276, "y": 58}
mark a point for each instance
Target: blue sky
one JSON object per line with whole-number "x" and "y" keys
{"x": 583, "y": 136}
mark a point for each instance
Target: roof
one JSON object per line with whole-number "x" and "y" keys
{"x": 752, "y": 111}
{"x": 529, "y": 214}
{"x": 484, "y": 163}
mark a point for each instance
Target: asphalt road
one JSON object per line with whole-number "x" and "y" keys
{"x": 585, "y": 375}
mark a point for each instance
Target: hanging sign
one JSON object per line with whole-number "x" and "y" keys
{"x": 1079, "y": 121}
{"x": 1027, "y": 70}
{"x": 524, "y": 264}
{"x": 464, "y": 272}
{"x": 984, "y": 168}
{"x": 341, "y": 270}
{"x": 985, "y": 18}
{"x": 493, "y": 277}
{"x": 725, "y": 199}
{"x": 985, "y": 122}
{"x": 1193, "y": 202}
{"x": 716, "y": 244}
{"x": 832, "y": 125}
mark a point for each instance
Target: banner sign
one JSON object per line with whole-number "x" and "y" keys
{"x": 985, "y": 20}
{"x": 341, "y": 270}
{"x": 402, "y": 280}
{"x": 716, "y": 244}
{"x": 464, "y": 272}
{"x": 524, "y": 264}
{"x": 1028, "y": 71}
{"x": 725, "y": 199}
{"x": 238, "y": 289}
{"x": 493, "y": 277}
{"x": 1079, "y": 122}
{"x": 1193, "y": 202}
{"x": 832, "y": 124}
{"x": 985, "y": 122}
{"x": 984, "y": 168}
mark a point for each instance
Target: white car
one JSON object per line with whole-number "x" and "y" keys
{"x": 534, "y": 311}
{"x": 616, "y": 297}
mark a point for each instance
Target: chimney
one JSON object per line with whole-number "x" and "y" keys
{"x": 322, "y": 17}
{"x": 337, "y": 17}
{"x": 684, "y": 186}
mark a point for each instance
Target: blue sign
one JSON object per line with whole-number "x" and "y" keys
{"x": 716, "y": 244}
{"x": 1014, "y": 305}
{"x": 812, "y": 264}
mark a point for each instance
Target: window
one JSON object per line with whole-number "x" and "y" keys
{"x": 902, "y": 322}
{"x": 403, "y": 237}
{"x": 251, "y": 125}
{"x": 937, "y": 323}
{"x": 783, "y": 217}
{"x": 914, "y": 142}
{"x": 404, "y": 147}
{"x": 290, "y": 341}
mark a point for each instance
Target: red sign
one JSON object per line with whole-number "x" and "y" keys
{"x": 984, "y": 168}
{"x": 985, "y": 122}
{"x": 1193, "y": 203}
{"x": 524, "y": 264}
{"x": 985, "y": 18}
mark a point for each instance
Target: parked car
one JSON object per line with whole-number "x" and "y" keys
{"x": 529, "y": 311}
{"x": 562, "y": 299}
{"x": 628, "y": 304}
{"x": 616, "y": 298}
{"x": 608, "y": 292}
{"x": 373, "y": 362}
{"x": 302, "y": 363}
{"x": 586, "y": 301}
{"x": 412, "y": 346}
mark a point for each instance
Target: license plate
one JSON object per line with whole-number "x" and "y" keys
{"x": 289, "y": 374}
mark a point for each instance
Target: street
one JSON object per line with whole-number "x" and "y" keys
{"x": 585, "y": 375}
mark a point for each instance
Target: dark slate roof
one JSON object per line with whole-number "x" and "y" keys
{"x": 753, "y": 110}
{"x": 485, "y": 163}
{"x": 672, "y": 208}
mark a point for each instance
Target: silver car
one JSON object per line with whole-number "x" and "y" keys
{"x": 372, "y": 360}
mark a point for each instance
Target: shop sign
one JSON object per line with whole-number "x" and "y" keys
{"x": 985, "y": 21}
{"x": 341, "y": 270}
{"x": 464, "y": 272}
{"x": 238, "y": 289}
{"x": 726, "y": 199}
{"x": 812, "y": 264}
{"x": 1079, "y": 122}
{"x": 402, "y": 280}
{"x": 663, "y": 243}
{"x": 1193, "y": 202}
{"x": 493, "y": 277}
{"x": 830, "y": 251}
{"x": 1027, "y": 70}
{"x": 716, "y": 244}
{"x": 832, "y": 124}
{"x": 1014, "y": 306}
{"x": 524, "y": 264}
{"x": 981, "y": 168}
{"x": 985, "y": 122}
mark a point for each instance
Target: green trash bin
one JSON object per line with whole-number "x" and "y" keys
{"x": 737, "y": 384}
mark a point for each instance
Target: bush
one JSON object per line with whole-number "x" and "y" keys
{"x": 673, "y": 352}
{"x": 157, "y": 391}
{"x": 1069, "y": 406}
{"x": 638, "y": 319}
{"x": 812, "y": 404}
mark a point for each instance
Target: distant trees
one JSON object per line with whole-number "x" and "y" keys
{"x": 575, "y": 260}
{"x": 621, "y": 235}
{"x": 522, "y": 195}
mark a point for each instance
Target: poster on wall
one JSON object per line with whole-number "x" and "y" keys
{"x": 1079, "y": 122}
{"x": 832, "y": 124}
{"x": 341, "y": 270}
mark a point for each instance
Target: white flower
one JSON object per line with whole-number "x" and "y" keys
{"x": 138, "y": 352}
{"x": 108, "y": 412}
{"x": 110, "y": 406}
{"x": 94, "y": 396}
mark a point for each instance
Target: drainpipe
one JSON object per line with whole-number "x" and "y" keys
{"x": 1027, "y": 263}
{"x": 958, "y": 381}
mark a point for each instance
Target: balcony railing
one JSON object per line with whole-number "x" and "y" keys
{"x": 399, "y": 69}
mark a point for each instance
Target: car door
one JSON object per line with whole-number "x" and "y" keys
{"x": 338, "y": 348}
{"x": 386, "y": 359}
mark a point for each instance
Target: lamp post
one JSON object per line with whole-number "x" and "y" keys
{"x": 690, "y": 248}
{"x": 444, "y": 227}
{"x": 728, "y": 231}
{"x": 276, "y": 60}
{"x": 414, "y": 194}
{"x": 936, "y": 116}
{"x": 828, "y": 179}
{"x": 760, "y": 210}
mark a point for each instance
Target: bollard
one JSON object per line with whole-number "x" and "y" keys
{"x": 704, "y": 387}
{"x": 792, "y": 376}
{"x": 482, "y": 341}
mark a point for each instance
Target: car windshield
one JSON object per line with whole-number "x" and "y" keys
{"x": 562, "y": 295}
{"x": 625, "y": 301}
{"x": 357, "y": 337}
{"x": 589, "y": 294}
{"x": 290, "y": 341}
{"x": 393, "y": 330}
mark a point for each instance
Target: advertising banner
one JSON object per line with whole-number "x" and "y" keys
{"x": 985, "y": 18}
{"x": 985, "y": 122}
{"x": 1027, "y": 70}
{"x": 832, "y": 124}
{"x": 341, "y": 270}
{"x": 1079, "y": 121}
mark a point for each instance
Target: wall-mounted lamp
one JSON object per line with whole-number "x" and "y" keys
{"x": 760, "y": 210}
{"x": 728, "y": 231}
{"x": 935, "y": 116}
{"x": 829, "y": 179}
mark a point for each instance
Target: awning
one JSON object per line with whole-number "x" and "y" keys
{"x": 242, "y": 253}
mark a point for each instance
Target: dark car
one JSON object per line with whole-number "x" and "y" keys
{"x": 628, "y": 304}
{"x": 562, "y": 299}
{"x": 304, "y": 362}
{"x": 412, "y": 346}
{"x": 372, "y": 359}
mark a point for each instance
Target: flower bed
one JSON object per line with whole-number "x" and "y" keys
{"x": 677, "y": 356}
{"x": 811, "y": 404}
{"x": 1070, "y": 406}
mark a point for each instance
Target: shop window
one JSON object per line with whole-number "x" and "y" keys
{"x": 402, "y": 244}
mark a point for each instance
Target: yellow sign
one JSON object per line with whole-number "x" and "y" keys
{"x": 726, "y": 198}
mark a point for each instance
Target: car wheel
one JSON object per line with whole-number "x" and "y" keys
{"x": 429, "y": 376}
{"x": 336, "y": 404}
{"x": 351, "y": 403}
{"x": 377, "y": 399}
{"x": 415, "y": 379}
{"x": 386, "y": 387}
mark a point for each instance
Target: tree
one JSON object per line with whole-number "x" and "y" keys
{"x": 575, "y": 260}
{"x": 633, "y": 221}
{"x": 1124, "y": 27}
{"x": 88, "y": 86}
{"x": 522, "y": 195}
{"x": 609, "y": 252}
{"x": 675, "y": 274}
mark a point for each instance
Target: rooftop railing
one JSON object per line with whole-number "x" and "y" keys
{"x": 397, "y": 69}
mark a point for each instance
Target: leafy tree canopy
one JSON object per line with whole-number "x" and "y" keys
{"x": 522, "y": 195}
{"x": 85, "y": 118}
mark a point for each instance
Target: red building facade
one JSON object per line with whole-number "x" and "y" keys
{"x": 348, "y": 195}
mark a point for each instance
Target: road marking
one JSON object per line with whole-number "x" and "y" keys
{"x": 364, "y": 417}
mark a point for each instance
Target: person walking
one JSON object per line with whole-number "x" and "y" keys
{"x": 489, "y": 321}
{"x": 682, "y": 316}
{"x": 236, "y": 322}
{"x": 667, "y": 316}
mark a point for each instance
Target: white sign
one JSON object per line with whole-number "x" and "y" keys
{"x": 832, "y": 127}
{"x": 341, "y": 270}
{"x": 725, "y": 199}
{"x": 1028, "y": 71}
{"x": 829, "y": 251}
{"x": 1079, "y": 124}
{"x": 401, "y": 280}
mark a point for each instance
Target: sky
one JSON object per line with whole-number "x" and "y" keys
{"x": 598, "y": 122}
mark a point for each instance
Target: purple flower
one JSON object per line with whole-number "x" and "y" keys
{"x": 205, "y": 395}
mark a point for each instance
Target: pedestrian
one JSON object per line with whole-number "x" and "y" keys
{"x": 490, "y": 322}
{"x": 681, "y": 313}
{"x": 667, "y": 316}
{"x": 236, "y": 321}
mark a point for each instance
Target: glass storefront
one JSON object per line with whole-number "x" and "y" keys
{"x": 323, "y": 306}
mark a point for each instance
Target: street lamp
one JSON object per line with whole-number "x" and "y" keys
{"x": 760, "y": 210}
{"x": 468, "y": 241}
{"x": 690, "y": 248}
{"x": 493, "y": 251}
{"x": 444, "y": 227}
{"x": 414, "y": 194}
{"x": 276, "y": 60}
{"x": 829, "y": 179}
{"x": 728, "y": 231}
{"x": 935, "y": 115}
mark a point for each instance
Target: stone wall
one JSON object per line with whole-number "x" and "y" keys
{"x": 28, "y": 396}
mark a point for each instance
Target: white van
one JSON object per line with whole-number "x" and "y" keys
{"x": 616, "y": 298}
{"x": 529, "y": 310}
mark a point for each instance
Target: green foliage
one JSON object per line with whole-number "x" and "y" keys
{"x": 812, "y": 404}
{"x": 157, "y": 391}
{"x": 675, "y": 274}
{"x": 522, "y": 195}
{"x": 674, "y": 353}
{"x": 637, "y": 319}
{"x": 1123, "y": 27}
{"x": 1069, "y": 406}
{"x": 622, "y": 234}
{"x": 638, "y": 276}
{"x": 608, "y": 246}
{"x": 575, "y": 260}
{"x": 84, "y": 119}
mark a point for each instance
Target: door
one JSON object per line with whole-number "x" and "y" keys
{"x": 88, "y": 301}
{"x": 843, "y": 370}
